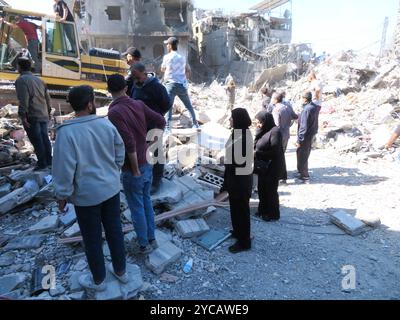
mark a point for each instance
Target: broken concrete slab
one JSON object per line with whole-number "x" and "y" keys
{"x": 348, "y": 223}
{"x": 25, "y": 243}
{"x": 169, "y": 278}
{"x": 168, "y": 193}
{"x": 162, "y": 257}
{"x": 11, "y": 282}
{"x": 72, "y": 231}
{"x": 118, "y": 291}
{"x": 214, "y": 136}
{"x": 212, "y": 239}
{"x": 73, "y": 282}
{"x": 5, "y": 189}
{"x": 70, "y": 217}
{"x": 191, "y": 228}
{"x": 7, "y": 259}
{"x": 19, "y": 196}
{"x": 47, "y": 224}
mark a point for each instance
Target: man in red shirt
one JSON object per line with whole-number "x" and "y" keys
{"x": 31, "y": 37}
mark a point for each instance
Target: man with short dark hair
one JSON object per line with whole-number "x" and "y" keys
{"x": 88, "y": 156}
{"x": 31, "y": 37}
{"x": 175, "y": 71}
{"x": 148, "y": 89}
{"x": 131, "y": 118}
{"x": 308, "y": 128}
{"x": 34, "y": 111}
{"x": 132, "y": 56}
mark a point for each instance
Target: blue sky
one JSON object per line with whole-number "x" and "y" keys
{"x": 331, "y": 25}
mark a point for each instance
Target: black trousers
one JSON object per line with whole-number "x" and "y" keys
{"x": 240, "y": 215}
{"x": 269, "y": 197}
{"x": 303, "y": 154}
{"x": 91, "y": 220}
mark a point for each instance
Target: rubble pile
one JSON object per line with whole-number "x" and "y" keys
{"x": 15, "y": 148}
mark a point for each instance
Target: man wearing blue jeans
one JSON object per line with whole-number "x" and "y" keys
{"x": 175, "y": 71}
{"x": 131, "y": 118}
{"x": 88, "y": 155}
{"x": 34, "y": 111}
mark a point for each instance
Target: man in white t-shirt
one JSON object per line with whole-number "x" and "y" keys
{"x": 315, "y": 88}
{"x": 175, "y": 71}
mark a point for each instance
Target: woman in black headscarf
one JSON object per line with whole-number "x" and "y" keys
{"x": 268, "y": 148}
{"x": 238, "y": 180}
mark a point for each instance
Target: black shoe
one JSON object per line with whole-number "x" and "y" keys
{"x": 237, "y": 248}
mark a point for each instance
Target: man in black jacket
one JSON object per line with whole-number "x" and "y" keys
{"x": 148, "y": 89}
{"x": 308, "y": 128}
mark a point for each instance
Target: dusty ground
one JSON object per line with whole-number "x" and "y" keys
{"x": 301, "y": 257}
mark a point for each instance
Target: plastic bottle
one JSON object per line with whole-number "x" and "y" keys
{"x": 188, "y": 266}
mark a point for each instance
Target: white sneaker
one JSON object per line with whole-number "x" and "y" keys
{"x": 123, "y": 279}
{"x": 87, "y": 282}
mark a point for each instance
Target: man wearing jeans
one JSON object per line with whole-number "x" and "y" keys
{"x": 88, "y": 156}
{"x": 34, "y": 111}
{"x": 175, "y": 69}
{"x": 132, "y": 118}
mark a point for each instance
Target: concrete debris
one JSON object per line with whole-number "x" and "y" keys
{"x": 25, "y": 243}
{"x": 161, "y": 258}
{"x": 11, "y": 282}
{"x": 191, "y": 228}
{"x": 72, "y": 231}
{"x": 370, "y": 218}
{"x": 45, "y": 225}
{"x": 167, "y": 193}
{"x": 68, "y": 218}
{"x": 19, "y": 196}
{"x": 212, "y": 239}
{"x": 7, "y": 259}
{"x": 348, "y": 223}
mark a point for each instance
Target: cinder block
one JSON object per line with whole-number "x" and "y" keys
{"x": 348, "y": 223}
{"x": 191, "y": 228}
{"x": 161, "y": 258}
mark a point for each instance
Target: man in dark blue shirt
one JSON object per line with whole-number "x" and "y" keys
{"x": 308, "y": 128}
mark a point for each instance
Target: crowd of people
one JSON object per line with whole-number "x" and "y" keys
{"x": 92, "y": 154}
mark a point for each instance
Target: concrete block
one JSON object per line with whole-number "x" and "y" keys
{"x": 214, "y": 136}
{"x": 162, "y": 237}
{"x": 72, "y": 231}
{"x": 47, "y": 224}
{"x": 11, "y": 282}
{"x": 113, "y": 292}
{"x": 213, "y": 179}
{"x": 191, "y": 228}
{"x": 70, "y": 217}
{"x": 168, "y": 193}
{"x": 161, "y": 258}
{"x": 19, "y": 196}
{"x": 25, "y": 243}
{"x": 348, "y": 223}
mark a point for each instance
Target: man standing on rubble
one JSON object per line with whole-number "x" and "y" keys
{"x": 34, "y": 111}
{"x": 88, "y": 156}
{"x": 31, "y": 37}
{"x": 308, "y": 128}
{"x": 176, "y": 71}
{"x": 149, "y": 90}
{"x": 315, "y": 88}
{"x": 283, "y": 116}
{"x": 131, "y": 118}
{"x": 230, "y": 87}
{"x": 132, "y": 56}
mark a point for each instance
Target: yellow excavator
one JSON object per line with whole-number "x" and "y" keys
{"x": 63, "y": 63}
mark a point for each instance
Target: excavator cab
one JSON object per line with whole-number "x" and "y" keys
{"x": 58, "y": 52}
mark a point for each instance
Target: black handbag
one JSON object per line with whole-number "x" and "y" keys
{"x": 261, "y": 167}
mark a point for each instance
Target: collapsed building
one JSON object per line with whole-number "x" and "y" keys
{"x": 118, "y": 24}
{"x": 245, "y": 44}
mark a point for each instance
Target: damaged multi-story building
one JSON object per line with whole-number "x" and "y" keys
{"x": 145, "y": 24}
{"x": 243, "y": 44}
